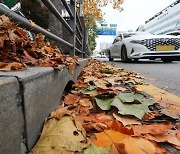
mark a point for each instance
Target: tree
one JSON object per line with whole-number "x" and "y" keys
{"x": 92, "y": 14}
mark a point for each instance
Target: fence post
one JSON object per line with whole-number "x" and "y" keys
{"x": 72, "y": 23}
{"x": 80, "y": 2}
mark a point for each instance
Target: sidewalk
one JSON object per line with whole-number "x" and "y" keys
{"x": 109, "y": 110}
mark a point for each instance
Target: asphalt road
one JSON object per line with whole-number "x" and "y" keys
{"x": 166, "y": 75}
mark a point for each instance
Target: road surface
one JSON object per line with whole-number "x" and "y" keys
{"x": 166, "y": 75}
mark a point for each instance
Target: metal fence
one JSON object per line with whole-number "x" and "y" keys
{"x": 72, "y": 23}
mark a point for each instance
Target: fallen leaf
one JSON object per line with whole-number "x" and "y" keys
{"x": 60, "y": 112}
{"x": 29, "y": 59}
{"x": 118, "y": 148}
{"x": 151, "y": 115}
{"x": 97, "y": 122}
{"x": 72, "y": 68}
{"x": 104, "y": 104}
{"x": 118, "y": 126}
{"x": 108, "y": 137}
{"x": 71, "y": 99}
{"x": 32, "y": 23}
{"x": 93, "y": 149}
{"x": 50, "y": 150}
{"x": 169, "y": 136}
{"x": 10, "y": 66}
{"x": 85, "y": 102}
{"x": 170, "y": 108}
{"x": 80, "y": 85}
{"x": 131, "y": 144}
{"x": 155, "y": 128}
{"x": 58, "y": 137}
{"x": 141, "y": 146}
{"x": 137, "y": 110}
{"x": 40, "y": 40}
{"x": 127, "y": 120}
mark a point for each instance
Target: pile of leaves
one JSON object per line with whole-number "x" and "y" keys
{"x": 104, "y": 113}
{"x": 18, "y": 51}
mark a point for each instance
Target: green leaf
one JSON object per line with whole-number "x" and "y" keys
{"x": 139, "y": 98}
{"x": 149, "y": 102}
{"x": 138, "y": 110}
{"x": 127, "y": 103}
{"x": 91, "y": 88}
{"x": 126, "y": 97}
{"x": 107, "y": 71}
{"x": 104, "y": 104}
{"x": 93, "y": 149}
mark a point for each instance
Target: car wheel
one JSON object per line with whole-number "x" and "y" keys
{"x": 110, "y": 58}
{"x": 124, "y": 57}
{"x": 167, "y": 60}
{"x": 136, "y": 60}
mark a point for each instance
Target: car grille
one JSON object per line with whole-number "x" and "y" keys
{"x": 160, "y": 53}
{"x": 152, "y": 43}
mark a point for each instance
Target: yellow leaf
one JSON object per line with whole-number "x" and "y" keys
{"x": 62, "y": 135}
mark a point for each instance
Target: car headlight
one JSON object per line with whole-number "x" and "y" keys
{"x": 136, "y": 41}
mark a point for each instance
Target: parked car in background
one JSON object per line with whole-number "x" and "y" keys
{"x": 143, "y": 45}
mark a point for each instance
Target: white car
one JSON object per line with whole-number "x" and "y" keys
{"x": 143, "y": 45}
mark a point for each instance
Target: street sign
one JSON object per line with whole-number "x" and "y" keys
{"x": 106, "y": 31}
{"x": 113, "y": 25}
{"x": 104, "y": 25}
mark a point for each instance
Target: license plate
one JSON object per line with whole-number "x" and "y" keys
{"x": 164, "y": 47}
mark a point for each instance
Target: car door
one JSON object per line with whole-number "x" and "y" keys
{"x": 117, "y": 51}
{"x": 113, "y": 48}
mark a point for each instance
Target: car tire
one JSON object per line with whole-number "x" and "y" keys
{"x": 167, "y": 60}
{"x": 110, "y": 58}
{"x": 136, "y": 60}
{"x": 124, "y": 57}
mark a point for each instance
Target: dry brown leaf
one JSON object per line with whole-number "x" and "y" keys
{"x": 32, "y": 23}
{"x": 60, "y": 112}
{"x": 127, "y": 120}
{"x": 169, "y": 136}
{"x": 97, "y": 122}
{"x": 40, "y": 40}
{"x": 29, "y": 59}
{"x": 150, "y": 115}
{"x": 71, "y": 99}
{"x": 48, "y": 49}
{"x": 72, "y": 67}
{"x": 86, "y": 103}
{"x": 10, "y": 66}
{"x": 156, "y": 128}
{"x": 118, "y": 126}
{"x": 118, "y": 148}
{"x": 170, "y": 108}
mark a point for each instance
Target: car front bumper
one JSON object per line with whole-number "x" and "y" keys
{"x": 155, "y": 54}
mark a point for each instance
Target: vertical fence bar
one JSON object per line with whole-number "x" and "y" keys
{"x": 82, "y": 41}
{"x": 72, "y": 24}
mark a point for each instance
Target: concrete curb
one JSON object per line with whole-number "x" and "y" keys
{"x": 38, "y": 91}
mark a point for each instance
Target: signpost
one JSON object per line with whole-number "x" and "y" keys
{"x": 107, "y": 30}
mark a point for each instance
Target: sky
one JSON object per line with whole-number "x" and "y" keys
{"x": 135, "y": 13}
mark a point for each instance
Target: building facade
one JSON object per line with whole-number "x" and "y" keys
{"x": 165, "y": 21}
